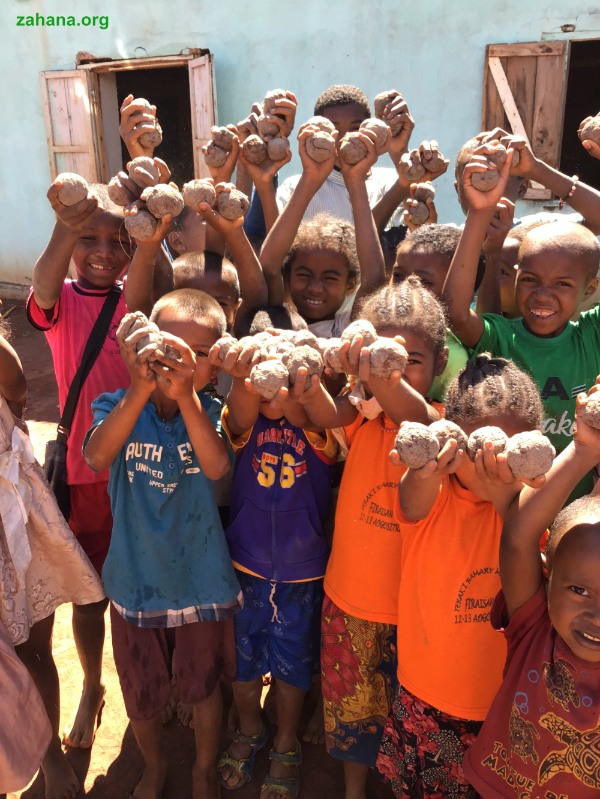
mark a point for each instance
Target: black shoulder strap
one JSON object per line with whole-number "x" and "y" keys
{"x": 92, "y": 349}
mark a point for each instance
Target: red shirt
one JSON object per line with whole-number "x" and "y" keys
{"x": 68, "y": 326}
{"x": 541, "y": 738}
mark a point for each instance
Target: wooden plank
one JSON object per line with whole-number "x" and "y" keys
{"x": 48, "y": 125}
{"x": 202, "y": 104}
{"x": 550, "y": 91}
{"x": 138, "y": 63}
{"x": 494, "y": 115}
{"x": 59, "y": 111}
{"x": 508, "y": 101}
{"x": 526, "y": 49}
{"x": 521, "y": 73}
{"x": 538, "y": 194}
{"x": 70, "y": 148}
{"x": 97, "y": 128}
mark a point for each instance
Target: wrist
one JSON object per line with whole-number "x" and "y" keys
{"x": 140, "y": 390}
{"x": 189, "y": 401}
{"x": 536, "y": 171}
{"x": 65, "y": 231}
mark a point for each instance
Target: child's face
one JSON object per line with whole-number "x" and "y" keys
{"x": 191, "y": 237}
{"x": 102, "y": 251}
{"x": 423, "y": 364}
{"x": 430, "y": 267}
{"x": 319, "y": 283}
{"x": 551, "y": 285}
{"x": 346, "y": 118}
{"x": 199, "y": 335}
{"x": 574, "y": 590}
{"x": 508, "y": 275}
{"x": 221, "y": 287}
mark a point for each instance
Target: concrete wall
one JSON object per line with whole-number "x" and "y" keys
{"x": 303, "y": 46}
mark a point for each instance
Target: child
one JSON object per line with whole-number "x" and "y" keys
{"x": 41, "y": 566}
{"x": 90, "y": 232}
{"x": 188, "y": 233}
{"x": 280, "y": 497}
{"x": 558, "y": 264}
{"x": 540, "y": 737}
{"x": 358, "y": 627}
{"x": 320, "y": 259}
{"x": 450, "y": 515}
{"x": 168, "y": 572}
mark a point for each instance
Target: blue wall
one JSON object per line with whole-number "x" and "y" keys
{"x": 303, "y": 46}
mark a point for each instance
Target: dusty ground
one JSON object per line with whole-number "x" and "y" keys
{"x": 111, "y": 768}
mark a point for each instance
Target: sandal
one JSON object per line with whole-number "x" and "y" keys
{"x": 244, "y": 768}
{"x": 287, "y": 787}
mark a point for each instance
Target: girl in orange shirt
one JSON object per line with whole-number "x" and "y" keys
{"x": 358, "y": 649}
{"x": 450, "y": 659}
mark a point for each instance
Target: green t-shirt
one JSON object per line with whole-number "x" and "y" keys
{"x": 562, "y": 368}
{"x": 457, "y": 360}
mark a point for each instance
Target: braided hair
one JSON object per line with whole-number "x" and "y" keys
{"x": 490, "y": 386}
{"x": 407, "y": 304}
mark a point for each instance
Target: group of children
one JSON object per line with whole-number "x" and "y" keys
{"x": 217, "y": 571}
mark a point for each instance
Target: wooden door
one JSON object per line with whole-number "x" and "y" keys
{"x": 204, "y": 108}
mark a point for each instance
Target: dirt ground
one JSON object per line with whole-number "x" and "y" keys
{"x": 111, "y": 768}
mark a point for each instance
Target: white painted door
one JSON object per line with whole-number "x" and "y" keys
{"x": 204, "y": 108}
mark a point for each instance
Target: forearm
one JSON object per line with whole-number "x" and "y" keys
{"x": 162, "y": 281}
{"x": 417, "y": 496}
{"x": 297, "y": 415}
{"x": 243, "y": 408}
{"x": 13, "y": 385}
{"x": 402, "y": 403}
{"x": 368, "y": 248}
{"x": 585, "y": 200}
{"x": 327, "y": 412}
{"x": 52, "y": 266}
{"x": 243, "y": 181}
{"x": 488, "y": 296}
{"x": 268, "y": 200}
{"x": 387, "y": 206}
{"x": 108, "y": 438}
{"x": 252, "y": 281}
{"x": 208, "y": 445}
{"x": 460, "y": 281}
{"x": 140, "y": 277}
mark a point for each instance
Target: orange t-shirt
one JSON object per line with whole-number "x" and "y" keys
{"x": 449, "y": 655}
{"x": 363, "y": 573}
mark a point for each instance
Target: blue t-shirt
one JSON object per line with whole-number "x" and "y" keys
{"x": 168, "y": 548}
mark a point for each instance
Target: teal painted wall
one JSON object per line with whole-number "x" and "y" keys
{"x": 303, "y": 46}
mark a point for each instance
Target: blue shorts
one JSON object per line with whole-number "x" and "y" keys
{"x": 279, "y": 630}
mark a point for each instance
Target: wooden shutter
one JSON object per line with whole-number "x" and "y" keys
{"x": 69, "y": 127}
{"x": 524, "y": 90}
{"x": 204, "y": 108}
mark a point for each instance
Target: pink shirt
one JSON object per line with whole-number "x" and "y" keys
{"x": 541, "y": 738}
{"x": 68, "y": 326}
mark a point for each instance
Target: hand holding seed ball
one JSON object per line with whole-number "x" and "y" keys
{"x": 411, "y": 168}
{"x": 445, "y": 431}
{"x": 495, "y": 435}
{"x": 268, "y": 377}
{"x": 383, "y": 103}
{"x": 231, "y": 203}
{"x": 331, "y": 356}
{"x": 74, "y": 188}
{"x": 360, "y": 327}
{"x": 144, "y": 172}
{"x": 419, "y": 208}
{"x": 352, "y": 148}
{"x": 139, "y": 127}
{"x": 197, "y": 192}
{"x": 254, "y": 150}
{"x": 142, "y": 225}
{"x": 320, "y": 146}
{"x": 416, "y": 445}
{"x": 304, "y": 357}
{"x": 529, "y": 455}
{"x": 225, "y": 344}
{"x": 589, "y": 134}
{"x": 431, "y": 158}
{"x": 277, "y": 148}
{"x": 380, "y": 129}
{"x": 163, "y": 199}
{"x": 149, "y": 139}
{"x": 386, "y": 357}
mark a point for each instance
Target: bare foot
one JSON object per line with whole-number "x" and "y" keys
{"x": 185, "y": 714}
{"x": 315, "y": 729}
{"x": 61, "y": 782}
{"x": 206, "y": 784}
{"x": 169, "y": 711}
{"x": 82, "y": 726}
{"x": 279, "y": 769}
{"x": 152, "y": 781}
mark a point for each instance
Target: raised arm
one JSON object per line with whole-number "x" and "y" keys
{"x": 418, "y": 489}
{"x": 150, "y": 271}
{"x": 52, "y": 266}
{"x": 489, "y": 298}
{"x": 459, "y": 287}
{"x": 13, "y": 385}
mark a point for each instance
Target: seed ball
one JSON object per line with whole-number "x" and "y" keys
{"x": 254, "y": 150}
{"x": 324, "y": 124}
{"x": 591, "y": 130}
{"x": 331, "y": 356}
{"x": 308, "y": 358}
{"x": 411, "y": 171}
{"x": 215, "y": 156}
{"x": 416, "y": 445}
{"x": 387, "y": 356}
{"x": 506, "y": 141}
{"x": 232, "y": 204}
{"x": 445, "y": 430}
{"x": 143, "y": 163}
{"x": 301, "y": 338}
{"x": 249, "y": 342}
{"x": 363, "y": 328}
{"x": 225, "y": 344}
{"x": 223, "y": 138}
{"x": 477, "y": 439}
{"x": 282, "y": 350}
{"x": 419, "y": 213}
{"x": 266, "y": 127}
{"x": 424, "y": 192}
{"x": 139, "y": 320}
{"x": 118, "y": 193}
{"x": 498, "y": 156}
{"x": 150, "y": 138}
{"x": 74, "y": 188}
{"x": 197, "y": 192}
{"x": 270, "y": 97}
{"x": 379, "y": 128}
{"x": 352, "y": 149}
{"x": 485, "y": 181}
{"x": 264, "y": 338}
{"x": 277, "y": 148}
{"x": 164, "y": 199}
{"x": 142, "y": 226}
{"x": 529, "y": 455}
{"x": 321, "y": 345}
{"x": 154, "y": 337}
{"x": 320, "y": 146}
{"x": 435, "y": 163}
{"x": 380, "y": 104}
{"x": 268, "y": 377}
{"x": 590, "y": 412}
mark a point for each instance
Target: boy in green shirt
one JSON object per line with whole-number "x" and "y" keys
{"x": 557, "y": 269}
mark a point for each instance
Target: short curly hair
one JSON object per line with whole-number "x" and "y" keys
{"x": 326, "y": 232}
{"x": 342, "y": 95}
{"x": 585, "y": 510}
{"x": 443, "y": 240}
